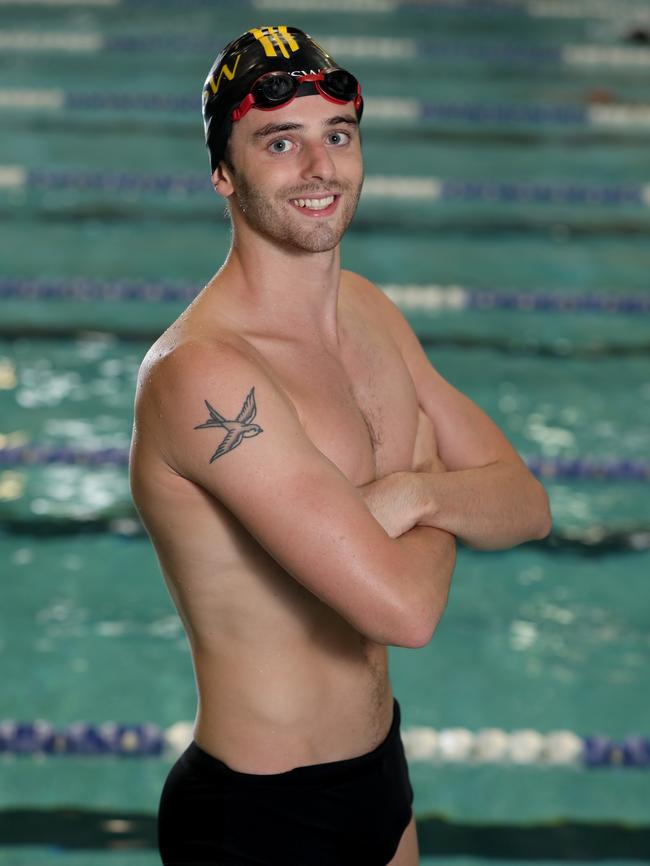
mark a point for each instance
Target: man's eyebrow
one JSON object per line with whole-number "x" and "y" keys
{"x": 275, "y": 128}
{"x": 341, "y": 118}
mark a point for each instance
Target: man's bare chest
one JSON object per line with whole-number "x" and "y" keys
{"x": 358, "y": 406}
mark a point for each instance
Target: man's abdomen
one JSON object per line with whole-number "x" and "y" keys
{"x": 273, "y": 710}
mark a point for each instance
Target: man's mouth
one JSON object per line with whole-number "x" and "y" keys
{"x": 314, "y": 203}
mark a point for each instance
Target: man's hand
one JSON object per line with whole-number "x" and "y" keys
{"x": 397, "y": 501}
{"x": 425, "y": 452}
{"x": 394, "y": 501}
{"x": 487, "y": 497}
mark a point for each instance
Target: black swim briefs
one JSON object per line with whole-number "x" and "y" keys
{"x": 342, "y": 813}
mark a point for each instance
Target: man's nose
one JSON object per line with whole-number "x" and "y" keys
{"x": 317, "y": 162}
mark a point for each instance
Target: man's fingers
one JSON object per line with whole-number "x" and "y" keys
{"x": 425, "y": 451}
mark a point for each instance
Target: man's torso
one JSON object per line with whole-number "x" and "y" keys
{"x": 283, "y": 679}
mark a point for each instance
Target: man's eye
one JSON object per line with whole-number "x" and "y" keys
{"x": 282, "y": 145}
{"x": 338, "y": 138}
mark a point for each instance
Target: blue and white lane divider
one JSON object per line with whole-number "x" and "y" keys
{"x": 457, "y": 298}
{"x": 533, "y": 8}
{"x": 422, "y": 744}
{"x": 377, "y": 110}
{"x": 17, "y": 178}
{"x": 372, "y": 48}
{"x": 433, "y": 298}
{"x": 63, "y": 3}
{"x": 575, "y": 468}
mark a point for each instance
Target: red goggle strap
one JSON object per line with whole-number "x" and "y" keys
{"x": 247, "y": 103}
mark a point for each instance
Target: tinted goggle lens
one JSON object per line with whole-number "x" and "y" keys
{"x": 340, "y": 84}
{"x": 275, "y": 88}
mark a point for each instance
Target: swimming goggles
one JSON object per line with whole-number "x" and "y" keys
{"x": 275, "y": 89}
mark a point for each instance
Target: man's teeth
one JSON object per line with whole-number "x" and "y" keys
{"x": 314, "y": 203}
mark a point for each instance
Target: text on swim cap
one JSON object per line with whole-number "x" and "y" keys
{"x": 280, "y": 35}
{"x": 230, "y": 74}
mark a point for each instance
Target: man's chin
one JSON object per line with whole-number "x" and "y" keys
{"x": 320, "y": 239}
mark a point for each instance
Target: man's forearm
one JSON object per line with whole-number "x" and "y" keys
{"x": 396, "y": 503}
{"x": 488, "y": 508}
{"x": 431, "y": 554}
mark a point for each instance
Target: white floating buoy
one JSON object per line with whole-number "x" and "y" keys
{"x": 420, "y": 744}
{"x": 455, "y": 744}
{"x": 129, "y": 741}
{"x": 525, "y": 747}
{"x": 491, "y": 745}
{"x": 563, "y": 747}
{"x": 179, "y": 736}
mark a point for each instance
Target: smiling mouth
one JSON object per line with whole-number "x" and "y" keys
{"x": 313, "y": 203}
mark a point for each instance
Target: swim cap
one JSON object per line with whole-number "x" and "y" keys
{"x": 243, "y": 61}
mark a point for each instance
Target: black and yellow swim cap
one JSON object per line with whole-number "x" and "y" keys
{"x": 243, "y": 61}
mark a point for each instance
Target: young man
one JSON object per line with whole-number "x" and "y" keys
{"x": 303, "y": 472}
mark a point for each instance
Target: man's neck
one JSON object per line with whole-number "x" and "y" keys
{"x": 287, "y": 292}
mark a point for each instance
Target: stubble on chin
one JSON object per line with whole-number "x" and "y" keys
{"x": 276, "y": 219}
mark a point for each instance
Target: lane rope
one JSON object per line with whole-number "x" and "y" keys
{"x": 585, "y": 468}
{"x": 422, "y": 744}
{"x": 433, "y": 297}
{"x": 377, "y": 186}
{"x": 631, "y": 13}
{"x": 380, "y": 110}
{"x": 387, "y": 48}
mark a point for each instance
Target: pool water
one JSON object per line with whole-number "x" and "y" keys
{"x": 548, "y": 636}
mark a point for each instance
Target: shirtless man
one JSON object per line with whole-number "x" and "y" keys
{"x": 303, "y": 472}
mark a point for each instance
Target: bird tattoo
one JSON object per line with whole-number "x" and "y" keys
{"x": 238, "y": 429}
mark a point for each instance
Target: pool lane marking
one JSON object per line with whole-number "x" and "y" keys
{"x": 13, "y": 177}
{"x": 605, "y": 55}
{"x": 410, "y": 296}
{"x": 403, "y": 187}
{"x": 60, "y": 2}
{"x": 382, "y": 6}
{"x": 30, "y": 99}
{"x": 27, "y": 40}
{"x": 533, "y": 8}
{"x": 376, "y": 186}
{"x": 356, "y": 47}
{"x": 393, "y": 109}
{"x": 379, "y": 110}
{"x": 374, "y": 48}
{"x": 433, "y": 297}
{"x": 586, "y": 9}
{"x": 621, "y": 116}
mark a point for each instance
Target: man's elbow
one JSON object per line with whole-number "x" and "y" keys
{"x": 420, "y": 634}
{"x": 418, "y": 629}
{"x": 543, "y": 523}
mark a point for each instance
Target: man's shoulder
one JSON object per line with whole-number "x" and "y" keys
{"x": 359, "y": 284}
{"x": 375, "y": 304}
{"x": 178, "y": 363}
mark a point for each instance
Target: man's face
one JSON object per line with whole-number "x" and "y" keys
{"x": 298, "y": 172}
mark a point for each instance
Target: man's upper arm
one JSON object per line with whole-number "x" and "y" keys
{"x": 229, "y": 429}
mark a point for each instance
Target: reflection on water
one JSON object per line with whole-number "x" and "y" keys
{"x": 12, "y": 485}
{"x": 7, "y": 374}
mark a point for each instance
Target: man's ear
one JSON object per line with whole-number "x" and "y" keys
{"x": 222, "y": 180}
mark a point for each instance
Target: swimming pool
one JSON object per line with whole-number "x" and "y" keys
{"x": 503, "y": 221}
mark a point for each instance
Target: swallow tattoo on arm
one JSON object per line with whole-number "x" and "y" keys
{"x": 238, "y": 429}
